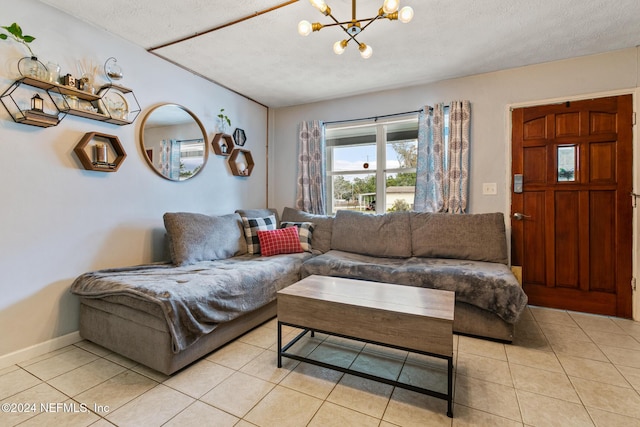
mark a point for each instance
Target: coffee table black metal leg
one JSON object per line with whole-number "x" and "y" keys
{"x": 279, "y": 345}
{"x": 450, "y": 389}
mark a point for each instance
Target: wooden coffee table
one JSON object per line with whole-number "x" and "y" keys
{"x": 413, "y": 319}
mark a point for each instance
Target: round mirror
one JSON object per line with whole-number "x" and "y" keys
{"x": 174, "y": 142}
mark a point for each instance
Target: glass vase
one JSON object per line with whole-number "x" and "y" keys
{"x": 32, "y": 67}
{"x": 222, "y": 126}
{"x": 53, "y": 72}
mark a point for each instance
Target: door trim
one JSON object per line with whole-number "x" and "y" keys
{"x": 635, "y": 93}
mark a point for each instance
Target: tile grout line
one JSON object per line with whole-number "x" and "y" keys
{"x": 580, "y": 326}
{"x": 575, "y": 390}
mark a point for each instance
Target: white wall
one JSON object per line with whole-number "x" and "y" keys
{"x": 58, "y": 220}
{"x": 490, "y": 95}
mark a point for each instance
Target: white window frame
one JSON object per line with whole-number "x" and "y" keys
{"x": 381, "y": 159}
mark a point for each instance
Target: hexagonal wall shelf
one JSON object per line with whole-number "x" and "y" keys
{"x": 101, "y": 153}
{"x": 241, "y": 162}
{"x": 222, "y": 144}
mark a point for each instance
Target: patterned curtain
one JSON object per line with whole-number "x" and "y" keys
{"x": 430, "y": 168}
{"x": 458, "y": 173}
{"x": 310, "y": 195}
{"x": 443, "y": 170}
{"x": 165, "y": 157}
{"x": 170, "y": 158}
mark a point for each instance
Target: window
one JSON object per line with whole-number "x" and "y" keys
{"x": 371, "y": 166}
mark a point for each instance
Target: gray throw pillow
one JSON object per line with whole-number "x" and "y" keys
{"x": 387, "y": 235}
{"x": 196, "y": 237}
{"x": 477, "y": 237}
{"x": 322, "y": 226}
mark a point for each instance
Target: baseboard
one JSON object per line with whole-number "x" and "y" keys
{"x": 39, "y": 349}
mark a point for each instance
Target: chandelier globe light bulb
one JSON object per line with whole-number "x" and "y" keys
{"x": 365, "y": 51}
{"x": 405, "y": 15}
{"x": 390, "y": 6}
{"x": 339, "y": 47}
{"x": 319, "y": 4}
{"x": 304, "y": 28}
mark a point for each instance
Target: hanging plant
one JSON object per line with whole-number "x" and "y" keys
{"x": 15, "y": 32}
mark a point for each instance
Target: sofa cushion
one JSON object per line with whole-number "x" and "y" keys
{"x": 251, "y": 228}
{"x": 478, "y": 237}
{"x": 196, "y": 299}
{"x": 387, "y": 235}
{"x": 305, "y": 232}
{"x": 196, "y": 237}
{"x": 258, "y": 213}
{"x": 322, "y": 226}
{"x": 280, "y": 241}
{"x": 487, "y": 285}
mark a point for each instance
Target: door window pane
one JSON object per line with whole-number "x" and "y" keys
{"x": 566, "y": 163}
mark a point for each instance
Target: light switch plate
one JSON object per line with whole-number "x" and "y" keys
{"x": 489, "y": 188}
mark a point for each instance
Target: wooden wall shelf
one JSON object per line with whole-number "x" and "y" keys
{"x": 239, "y": 157}
{"x": 222, "y": 144}
{"x": 85, "y": 150}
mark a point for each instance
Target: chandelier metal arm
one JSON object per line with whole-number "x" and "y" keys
{"x": 355, "y": 27}
{"x": 367, "y": 20}
{"x": 342, "y": 26}
{"x": 351, "y": 36}
{"x": 370, "y": 21}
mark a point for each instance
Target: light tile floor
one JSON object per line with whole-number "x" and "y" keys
{"x": 563, "y": 369}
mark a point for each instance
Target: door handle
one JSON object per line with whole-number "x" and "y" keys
{"x": 520, "y": 216}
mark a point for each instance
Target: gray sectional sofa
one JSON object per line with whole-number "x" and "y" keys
{"x": 462, "y": 253}
{"x": 168, "y": 315}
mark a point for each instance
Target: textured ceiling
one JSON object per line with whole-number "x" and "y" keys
{"x": 265, "y": 59}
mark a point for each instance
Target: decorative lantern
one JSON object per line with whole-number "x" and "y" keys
{"x": 37, "y": 103}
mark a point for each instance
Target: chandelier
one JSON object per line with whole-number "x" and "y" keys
{"x": 354, "y": 27}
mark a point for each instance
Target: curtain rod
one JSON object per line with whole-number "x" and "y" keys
{"x": 376, "y": 117}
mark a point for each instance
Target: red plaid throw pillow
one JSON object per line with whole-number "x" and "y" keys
{"x": 280, "y": 241}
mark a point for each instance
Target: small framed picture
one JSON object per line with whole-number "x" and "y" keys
{"x": 239, "y": 137}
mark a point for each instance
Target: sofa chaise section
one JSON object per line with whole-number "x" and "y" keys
{"x": 168, "y": 315}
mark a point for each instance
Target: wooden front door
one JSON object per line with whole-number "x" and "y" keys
{"x": 571, "y": 216}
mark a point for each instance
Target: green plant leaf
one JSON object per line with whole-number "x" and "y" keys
{"x": 15, "y": 30}
{"x": 28, "y": 39}
{"x": 3, "y": 36}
